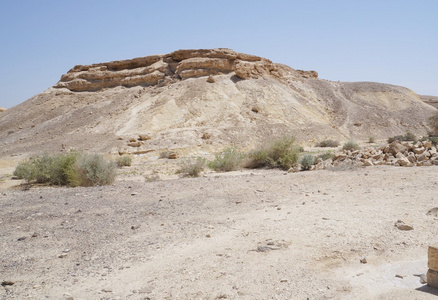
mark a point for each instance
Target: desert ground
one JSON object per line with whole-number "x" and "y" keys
{"x": 250, "y": 234}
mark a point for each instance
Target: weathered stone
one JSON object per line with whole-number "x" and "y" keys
{"x": 402, "y": 226}
{"x": 404, "y": 162}
{"x": 367, "y": 162}
{"x": 419, "y": 150}
{"x": 135, "y": 144}
{"x": 144, "y": 137}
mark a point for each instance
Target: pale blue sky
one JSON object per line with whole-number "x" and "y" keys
{"x": 392, "y": 41}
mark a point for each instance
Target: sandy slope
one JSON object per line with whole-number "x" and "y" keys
{"x": 241, "y": 235}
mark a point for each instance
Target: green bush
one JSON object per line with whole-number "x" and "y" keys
{"x": 327, "y": 143}
{"x": 326, "y": 155}
{"x": 228, "y": 160}
{"x": 124, "y": 161}
{"x": 45, "y": 168}
{"x": 307, "y": 162}
{"x": 281, "y": 153}
{"x": 350, "y": 145}
{"x": 192, "y": 167}
{"x": 92, "y": 169}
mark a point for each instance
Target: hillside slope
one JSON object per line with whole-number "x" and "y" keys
{"x": 203, "y": 99}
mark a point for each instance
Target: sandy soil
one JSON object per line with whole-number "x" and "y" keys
{"x": 261, "y": 234}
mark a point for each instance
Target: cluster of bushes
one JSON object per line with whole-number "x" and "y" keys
{"x": 407, "y": 137}
{"x": 71, "y": 169}
{"x": 280, "y": 153}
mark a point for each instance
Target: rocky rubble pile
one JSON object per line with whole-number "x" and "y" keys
{"x": 406, "y": 154}
{"x": 169, "y": 68}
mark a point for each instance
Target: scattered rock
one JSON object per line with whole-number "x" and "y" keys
{"x": 402, "y": 226}
{"x": 433, "y": 212}
{"x": 144, "y": 137}
{"x": 7, "y": 282}
{"x": 68, "y": 296}
{"x": 363, "y": 260}
{"x": 173, "y": 155}
{"x": 255, "y": 109}
{"x": 400, "y": 276}
{"x": 206, "y": 136}
{"x": 107, "y": 290}
{"x": 134, "y": 227}
{"x": 135, "y": 144}
{"x": 22, "y": 238}
{"x": 210, "y": 79}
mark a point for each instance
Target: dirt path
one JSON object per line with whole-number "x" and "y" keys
{"x": 240, "y": 235}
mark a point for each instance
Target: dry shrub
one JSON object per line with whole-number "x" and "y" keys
{"x": 91, "y": 170}
{"x": 124, "y": 161}
{"x": 327, "y": 143}
{"x": 228, "y": 160}
{"x": 280, "y": 153}
{"x": 351, "y": 145}
{"x": 192, "y": 167}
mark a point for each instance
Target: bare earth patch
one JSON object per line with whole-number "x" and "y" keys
{"x": 240, "y": 235}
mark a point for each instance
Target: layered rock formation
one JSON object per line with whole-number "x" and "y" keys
{"x": 203, "y": 100}
{"x": 169, "y": 68}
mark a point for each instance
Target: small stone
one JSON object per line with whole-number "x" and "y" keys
{"x": 208, "y": 235}
{"x": 402, "y": 226}
{"x": 400, "y": 276}
{"x": 283, "y": 280}
{"x": 210, "y": 79}
{"x": 133, "y": 194}
{"x": 423, "y": 278}
{"x": 22, "y": 238}
{"x": 363, "y": 260}
{"x": 7, "y": 282}
{"x": 134, "y": 227}
{"x": 68, "y": 296}
{"x": 107, "y": 290}
{"x": 35, "y": 234}
{"x": 62, "y": 255}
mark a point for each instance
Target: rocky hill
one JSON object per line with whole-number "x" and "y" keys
{"x": 196, "y": 100}
{"x": 431, "y": 100}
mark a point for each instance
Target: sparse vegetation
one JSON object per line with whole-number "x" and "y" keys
{"x": 228, "y": 160}
{"x": 72, "y": 169}
{"x": 192, "y": 167}
{"x": 307, "y": 161}
{"x": 124, "y": 161}
{"x": 325, "y": 156}
{"x": 351, "y": 145}
{"x": 92, "y": 169}
{"x": 281, "y": 153}
{"x": 45, "y": 168}
{"x": 327, "y": 143}
{"x": 408, "y": 137}
{"x": 371, "y": 140}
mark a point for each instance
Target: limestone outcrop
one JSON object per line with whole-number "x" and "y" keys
{"x": 179, "y": 65}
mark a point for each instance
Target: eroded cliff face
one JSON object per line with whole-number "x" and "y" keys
{"x": 170, "y": 68}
